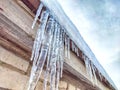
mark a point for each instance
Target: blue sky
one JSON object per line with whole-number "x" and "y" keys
{"x": 99, "y": 24}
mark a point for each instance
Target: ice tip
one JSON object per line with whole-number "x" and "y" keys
{"x": 32, "y": 26}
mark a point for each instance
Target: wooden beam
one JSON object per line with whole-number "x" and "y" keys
{"x": 1, "y": 88}
{"x": 32, "y": 4}
{"x": 13, "y": 48}
{"x": 18, "y": 15}
{"x": 14, "y": 33}
{"x": 15, "y": 39}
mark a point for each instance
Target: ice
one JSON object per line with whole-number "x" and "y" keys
{"x": 88, "y": 67}
{"x": 73, "y": 33}
{"x": 39, "y": 58}
{"x": 54, "y": 57}
{"x": 77, "y": 52}
{"x": 50, "y": 43}
{"x": 49, "y": 47}
{"x": 48, "y": 51}
{"x": 61, "y": 51}
{"x": 75, "y": 49}
{"x": 68, "y": 47}
{"x": 51, "y": 27}
{"x": 86, "y": 64}
{"x": 100, "y": 76}
{"x": 37, "y": 15}
{"x": 94, "y": 74}
{"x": 39, "y": 36}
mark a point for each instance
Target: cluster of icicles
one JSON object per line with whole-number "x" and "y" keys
{"x": 50, "y": 47}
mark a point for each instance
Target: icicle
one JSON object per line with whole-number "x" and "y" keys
{"x": 39, "y": 36}
{"x": 88, "y": 67}
{"x": 60, "y": 59}
{"x": 62, "y": 51}
{"x": 100, "y": 76}
{"x": 35, "y": 75}
{"x": 77, "y": 51}
{"x": 45, "y": 48}
{"x": 57, "y": 74}
{"x": 58, "y": 67}
{"x": 37, "y": 14}
{"x": 94, "y": 74}
{"x": 51, "y": 27}
{"x": 68, "y": 47}
{"x": 72, "y": 46}
{"x": 90, "y": 71}
{"x": 54, "y": 58}
{"x": 48, "y": 46}
{"x": 86, "y": 63}
{"x": 66, "y": 50}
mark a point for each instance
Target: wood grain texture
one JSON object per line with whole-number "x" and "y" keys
{"x": 14, "y": 39}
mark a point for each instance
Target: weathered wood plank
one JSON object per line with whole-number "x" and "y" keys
{"x": 14, "y": 48}
{"x": 32, "y": 4}
{"x": 18, "y": 16}
{"x": 15, "y": 39}
{"x": 25, "y": 7}
{"x": 14, "y": 33}
{"x": 4, "y": 88}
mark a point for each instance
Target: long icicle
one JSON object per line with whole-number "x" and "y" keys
{"x": 35, "y": 51}
{"x": 68, "y": 47}
{"x": 101, "y": 78}
{"x": 62, "y": 52}
{"x": 39, "y": 37}
{"x": 60, "y": 59}
{"x": 77, "y": 52}
{"x": 51, "y": 28}
{"x": 36, "y": 70}
{"x": 87, "y": 65}
{"x": 55, "y": 55}
{"x": 90, "y": 71}
{"x": 49, "y": 44}
{"x": 94, "y": 74}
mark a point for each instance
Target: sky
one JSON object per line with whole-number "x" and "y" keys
{"x": 98, "y": 22}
